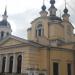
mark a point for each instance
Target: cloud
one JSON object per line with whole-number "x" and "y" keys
{"x": 22, "y": 22}
{"x": 22, "y": 12}
{"x": 19, "y": 6}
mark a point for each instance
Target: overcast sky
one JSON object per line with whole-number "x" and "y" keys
{"x": 22, "y": 12}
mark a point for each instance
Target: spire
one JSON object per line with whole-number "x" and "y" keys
{"x": 43, "y": 7}
{"x": 43, "y": 12}
{"x": 65, "y": 10}
{"x": 52, "y": 9}
{"x": 66, "y": 15}
{"x": 5, "y": 14}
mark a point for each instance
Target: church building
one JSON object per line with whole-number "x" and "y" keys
{"x": 49, "y": 50}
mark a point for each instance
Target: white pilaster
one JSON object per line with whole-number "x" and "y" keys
{"x": 7, "y": 64}
{"x": 14, "y": 63}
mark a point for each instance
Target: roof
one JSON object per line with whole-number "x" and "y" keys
{"x": 4, "y": 23}
{"x": 49, "y": 18}
{"x": 24, "y": 41}
{"x": 31, "y": 43}
{"x": 55, "y": 18}
{"x": 68, "y": 43}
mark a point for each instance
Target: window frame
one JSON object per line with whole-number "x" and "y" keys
{"x": 19, "y": 64}
{"x": 39, "y": 30}
{"x": 11, "y": 59}
{"x": 2, "y": 34}
{"x": 56, "y": 68}
{"x": 3, "y": 64}
{"x": 69, "y": 69}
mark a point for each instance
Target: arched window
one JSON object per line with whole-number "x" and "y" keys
{"x": 2, "y": 35}
{"x": 19, "y": 61}
{"x": 39, "y": 30}
{"x": 3, "y": 64}
{"x": 10, "y": 64}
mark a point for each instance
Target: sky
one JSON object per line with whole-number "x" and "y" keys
{"x": 22, "y": 12}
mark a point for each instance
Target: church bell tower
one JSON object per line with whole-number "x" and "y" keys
{"x": 5, "y": 28}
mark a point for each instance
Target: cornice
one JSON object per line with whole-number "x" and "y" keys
{"x": 13, "y": 46}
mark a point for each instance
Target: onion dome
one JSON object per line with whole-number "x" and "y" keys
{"x": 65, "y": 10}
{"x": 52, "y": 1}
{"x": 65, "y": 15}
{"x": 43, "y": 13}
{"x": 43, "y": 7}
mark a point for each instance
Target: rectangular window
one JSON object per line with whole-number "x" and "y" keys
{"x": 55, "y": 68}
{"x": 69, "y": 69}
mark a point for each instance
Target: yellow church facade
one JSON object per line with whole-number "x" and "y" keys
{"x": 49, "y": 50}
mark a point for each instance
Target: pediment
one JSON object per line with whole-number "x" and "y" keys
{"x": 11, "y": 41}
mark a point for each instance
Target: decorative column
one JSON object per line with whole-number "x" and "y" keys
{"x": 0, "y": 63}
{"x": 14, "y": 63}
{"x": 7, "y": 64}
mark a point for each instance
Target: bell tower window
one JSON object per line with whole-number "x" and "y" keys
{"x": 2, "y": 34}
{"x": 39, "y": 30}
{"x": 7, "y": 33}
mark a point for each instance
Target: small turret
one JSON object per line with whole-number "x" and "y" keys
{"x": 5, "y": 28}
{"x": 52, "y": 9}
{"x": 43, "y": 13}
{"x": 65, "y": 15}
